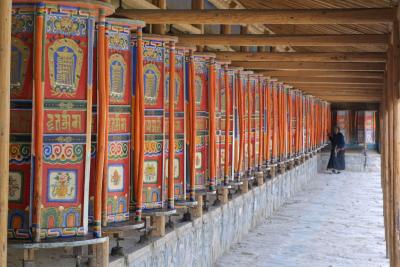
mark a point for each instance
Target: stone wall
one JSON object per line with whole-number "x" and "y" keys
{"x": 201, "y": 242}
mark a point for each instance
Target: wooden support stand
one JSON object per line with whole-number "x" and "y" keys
{"x": 158, "y": 222}
{"x": 282, "y": 168}
{"x": 99, "y": 254}
{"x": 29, "y": 257}
{"x": 260, "y": 178}
{"x": 223, "y": 195}
{"x": 244, "y": 188}
{"x": 272, "y": 171}
{"x": 198, "y": 210}
{"x": 291, "y": 164}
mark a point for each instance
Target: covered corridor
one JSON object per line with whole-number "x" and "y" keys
{"x": 336, "y": 221}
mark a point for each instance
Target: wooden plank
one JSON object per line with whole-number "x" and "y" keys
{"x": 359, "y": 40}
{"x": 343, "y": 66}
{"x": 312, "y": 57}
{"x": 331, "y": 80}
{"x": 263, "y": 16}
{"x": 317, "y": 73}
{"x": 5, "y": 56}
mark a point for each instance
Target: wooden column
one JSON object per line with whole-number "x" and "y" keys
{"x": 160, "y": 28}
{"x": 5, "y": 56}
{"x": 395, "y": 259}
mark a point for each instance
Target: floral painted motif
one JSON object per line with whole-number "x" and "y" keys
{"x": 119, "y": 41}
{"x": 117, "y": 150}
{"x": 66, "y": 25}
{"x": 20, "y": 153}
{"x": 63, "y": 153}
{"x": 22, "y": 23}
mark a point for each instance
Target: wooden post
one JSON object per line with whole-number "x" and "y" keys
{"x": 244, "y": 30}
{"x": 171, "y": 133}
{"x": 244, "y": 188}
{"x": 159, "y": 223}
{"x": 192, "y": 126}
{"x": 101, "y": 142}
{"x": 38, "y": 132}
{"x": 395, "y": 261}
{"x": 260, "y": 178}
{"x": 99, "y": 254}
{"x": 389, "y": 106}
{"x": 223, "y": 195}
{"x": 5, "y": 56}
{"x": 198, "y": 210}
{"x": 198, "y": 5}
{"x": 159, "y": 28}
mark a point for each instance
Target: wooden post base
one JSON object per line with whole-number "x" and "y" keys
{"x": 29, "y": 258}
{"x": 291, "y": 165}
{"x": 272, "y": 171}
{"x": 260, "y": 178}
{"x": 282, "y": 168}
{"x": 158, "y": 224}
{"x": 223, "y": 195}
{"x": 198, "y": 210}
{"x": 244, "y": 188}
{"x": 99, "y": 254}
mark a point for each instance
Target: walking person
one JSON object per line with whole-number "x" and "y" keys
{"x": 336, "y": 161}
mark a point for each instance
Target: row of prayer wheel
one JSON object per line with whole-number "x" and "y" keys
{"x": 99, "y": 132}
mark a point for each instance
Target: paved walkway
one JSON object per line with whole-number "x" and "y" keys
{"x": 337, "y": 221}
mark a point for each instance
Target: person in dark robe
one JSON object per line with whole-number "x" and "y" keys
{"x": 336, "y": 161}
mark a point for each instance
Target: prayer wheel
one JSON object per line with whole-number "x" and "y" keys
{"x": 223, "y": 123}
{"x": 116, "y": 173}
{"x": 181, "y": 123}
{"x": 229, "y": 128}
{"x": 260, "y": 122}
{"x": 153, "y": 190}
{"x": 249, "y": 88}
{"x": 205, "y": 156}
{"x": 51, "y": 91}
{"x": 240, "y": 130}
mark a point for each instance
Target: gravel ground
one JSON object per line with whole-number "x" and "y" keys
{"x": 336, "y": 221}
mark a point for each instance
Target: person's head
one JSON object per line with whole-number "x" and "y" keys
{"x": 336, "y": 129}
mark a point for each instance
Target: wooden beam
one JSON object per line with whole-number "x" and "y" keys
{"x": 351, "y": 99}
{"x": 331, "y": 80}
{"x": 335, "y": 86}
{"x": 143, "y": 4}
{"x": 323, "y": 73}
{"x": 364, "y": 40}
{"x": 307, "y": 57}
{"x": 277, "y": 65}
{"x": 344, "y": 90}
{"x": 5, "y": 62}
{"x": 263, "y": 16}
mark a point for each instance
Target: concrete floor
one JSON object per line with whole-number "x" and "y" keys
{"x": 337, "y": 221}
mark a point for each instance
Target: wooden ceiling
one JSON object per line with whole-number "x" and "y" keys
{"x": 334, "y": 49}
